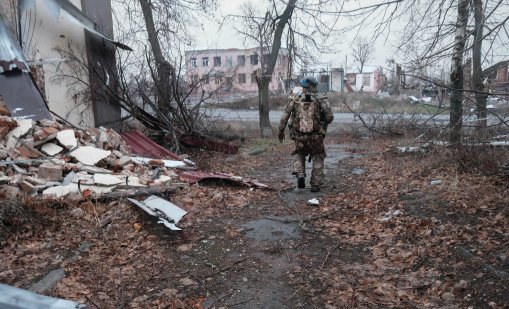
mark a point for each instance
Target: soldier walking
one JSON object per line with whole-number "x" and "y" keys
{"x": 310, "y": 116}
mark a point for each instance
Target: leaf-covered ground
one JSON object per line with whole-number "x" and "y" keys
{"x": 391, "y": 231}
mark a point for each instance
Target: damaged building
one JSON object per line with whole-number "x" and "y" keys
{"x": 57, "y": 57}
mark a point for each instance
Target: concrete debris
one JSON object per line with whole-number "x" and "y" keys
{"x": 67, "y": 139}
{"x": 16, "y": 298}
{"x": 90, "y": 155}
{"x": 49, "y": 159}
{"x": 51, "y": 149}
{"x": 168, "y": 213}
{"x": 107, "y": 180}
{"x": 48, "y": 281}
{"x": 314, "y": 202}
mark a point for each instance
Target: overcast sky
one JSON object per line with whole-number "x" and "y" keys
{"x": 212, "y": 36}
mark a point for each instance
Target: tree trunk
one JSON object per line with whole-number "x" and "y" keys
{"x": 164, "y": 69}
{"x": 264, "y": 80}
{"x": 477, "y": 78}
{"x": 456, "y": 121}
{"x": 263, "y": 107}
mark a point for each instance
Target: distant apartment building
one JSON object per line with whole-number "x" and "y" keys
{"x": 233, "y": 70}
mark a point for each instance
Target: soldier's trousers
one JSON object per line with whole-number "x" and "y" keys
{"x": 317, "y": 175}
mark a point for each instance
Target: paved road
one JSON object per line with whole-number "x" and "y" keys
{"x": 343, "y": 118}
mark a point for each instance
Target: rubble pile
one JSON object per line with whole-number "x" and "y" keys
{"x": 48, "y": 159}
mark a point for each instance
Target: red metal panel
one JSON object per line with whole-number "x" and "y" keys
{"x": 144, "y": 146}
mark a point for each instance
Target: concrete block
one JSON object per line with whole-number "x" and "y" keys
{"x": 50, "y": 172}
{"x": 90, "y": 155}
{"x": 106, "y": 180}
{"x": 67, "y": 139}
{"x": 51, "y": 149}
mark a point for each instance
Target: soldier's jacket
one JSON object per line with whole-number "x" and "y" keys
{"x": 308, "y": 135}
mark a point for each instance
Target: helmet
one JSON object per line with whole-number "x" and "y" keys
{"x": 309, "y": 81}
{"x": 309, "y": 84}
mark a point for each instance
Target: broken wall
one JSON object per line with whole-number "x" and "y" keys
{"x": 45, "y": 29}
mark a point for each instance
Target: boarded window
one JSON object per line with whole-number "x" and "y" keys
{"x": 242, "y": 78}
{"x": 205, "y": 61}
{"x": 366, "y": 80}
{"x": 217, "y": 61}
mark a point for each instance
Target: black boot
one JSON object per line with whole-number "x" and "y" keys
{"x": 301, "y": 183}
{"x": 315, "y": 189}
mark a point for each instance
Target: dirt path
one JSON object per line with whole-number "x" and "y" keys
{"x": 382, "y": 237}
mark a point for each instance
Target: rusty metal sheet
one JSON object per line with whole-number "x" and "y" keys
{"x": 197, "y": 176}
{"x": 204, "y": 143}
{"x": 11, "y": 55}
{"x": 22, "y": 97}
{"x": 144, "y": 146}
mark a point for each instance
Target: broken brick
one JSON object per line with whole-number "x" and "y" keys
{"x": 13, "y": 153}
{"x": 50, "y": 172}
{"x": 26, "y": 186}
{"x": 4, "y": 111}
{"x": 3, "y": 131}
{"x": 28, "y": 152}
{"x": 8, "y": 122}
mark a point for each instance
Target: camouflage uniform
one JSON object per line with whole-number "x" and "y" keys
{"x": 308, "y": 141}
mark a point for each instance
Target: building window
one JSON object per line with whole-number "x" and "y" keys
{"x": 266, "y": 59}
{"x": 193, "y": 63}
{"x": 217, "y": 61}
{"x": 205, "y": 61}
{"x": 206, "y": 79}
{"x": 242, "y": 78}
{"x": 253, "y": 78}
{"x": 229, "y": 62}
{"x": 366, "y": 80}
{"x": 241, "y": 60}
{"x": 253, "y": 59}
{"x": 194, "y": 79}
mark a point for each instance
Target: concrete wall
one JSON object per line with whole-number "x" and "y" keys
{"x": 232, "y": 69}
{"x": 39, "y": 43}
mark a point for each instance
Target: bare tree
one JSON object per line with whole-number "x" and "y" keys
{"x": 456, "y": 117}
{"x": 306, "y": 27}
{"x": 477, "y": 78}
{"x": 362, "y": 51}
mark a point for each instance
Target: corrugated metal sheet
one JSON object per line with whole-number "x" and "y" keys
{"x": 11, "y": 55}
{"x": 22, "y": 97}
{"x": 144, "y": 146}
